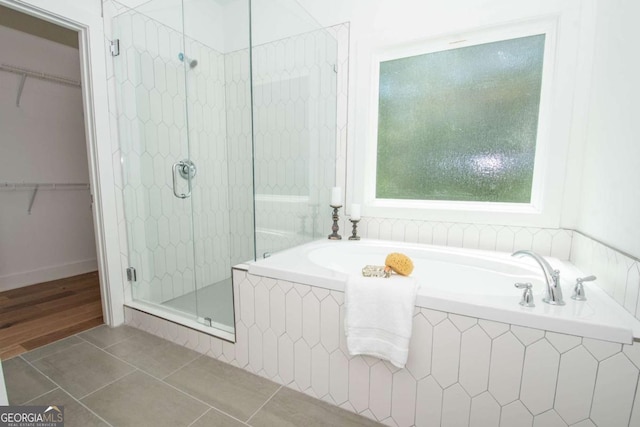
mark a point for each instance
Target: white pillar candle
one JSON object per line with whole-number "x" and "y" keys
{"x": 336, "y": 196}
{"x": 355, "y": 211}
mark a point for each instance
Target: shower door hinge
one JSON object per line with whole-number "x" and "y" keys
{"x": 131, "y": 274}
{"x": 115, "y": 47}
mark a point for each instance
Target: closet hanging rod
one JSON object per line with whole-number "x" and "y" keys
{"x": 43, "y": 186}
{"x": 39, "y": 75}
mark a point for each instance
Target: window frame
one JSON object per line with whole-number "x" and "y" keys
{"x": 544, "y": 208}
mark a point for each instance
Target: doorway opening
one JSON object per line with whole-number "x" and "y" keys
{"x": 49, "y": 284}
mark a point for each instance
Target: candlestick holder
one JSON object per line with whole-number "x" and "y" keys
{"x": 354, "y": 231}
{"x": 335, "y": 227}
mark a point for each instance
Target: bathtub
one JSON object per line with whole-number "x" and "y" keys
{"x": 468, "y": 282}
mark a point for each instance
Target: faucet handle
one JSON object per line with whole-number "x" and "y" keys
{"x": 527, "y": 295}
{"x": 578, "y": 289}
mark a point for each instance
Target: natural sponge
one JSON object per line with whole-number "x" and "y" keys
{"x": 400, "y": 263}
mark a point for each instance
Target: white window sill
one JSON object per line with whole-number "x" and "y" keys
{"x": 465, "y": 212}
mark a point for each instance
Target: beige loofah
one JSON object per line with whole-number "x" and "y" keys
{"x": 399, "y": 263}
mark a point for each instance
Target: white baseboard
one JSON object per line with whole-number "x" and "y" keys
{"x": 26, "y": 278}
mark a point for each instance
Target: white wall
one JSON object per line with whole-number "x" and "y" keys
{"x": 601, "y": 194}
{"x": 610, "y": 204}
{"x": 380, "y": 23}
{"x": 602, "y": 186}
{"x": 43, "y": 141}
{"x": 222, "y": 25}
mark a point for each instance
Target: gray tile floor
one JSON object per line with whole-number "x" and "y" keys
{"x": 126, "y": 377}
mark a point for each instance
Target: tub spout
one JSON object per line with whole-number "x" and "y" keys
{"x": 553, "y": 293}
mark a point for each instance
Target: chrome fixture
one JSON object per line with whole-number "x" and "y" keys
{"x": 187, "y": 170}
{"x": 132, "y": 276}
{"x": 527, "y": 295}
{"x": 184, "y": 58}
{"x": 578, "y": 290}
{"x": 553, "y": 294}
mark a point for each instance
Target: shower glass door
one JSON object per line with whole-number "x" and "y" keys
{"x": 173, "y": 151}
{"x": 294, "y": 77}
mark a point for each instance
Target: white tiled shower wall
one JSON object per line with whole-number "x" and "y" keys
{"x": 219, "y": 113}
{"x": 461, "y": 371}
{"x": 151, "y": 117}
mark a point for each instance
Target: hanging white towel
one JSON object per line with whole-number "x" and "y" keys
{"x": 379, "y": 316}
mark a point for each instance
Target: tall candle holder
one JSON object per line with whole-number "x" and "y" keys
{"x": 335, "y": 227}
{"x": 354, "y": 231}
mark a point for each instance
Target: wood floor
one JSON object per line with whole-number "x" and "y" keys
{"x": 37, "y": 315}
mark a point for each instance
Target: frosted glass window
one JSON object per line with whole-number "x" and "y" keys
{"x": 460, "y": 124}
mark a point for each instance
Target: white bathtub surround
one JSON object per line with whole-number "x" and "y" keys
{"x": 470, "y": 282}
{"x": 379, "y": 316}
{"x": 555, "y": 242}
{"x": 618, "y": 273}
{"x": 461, "y": 370}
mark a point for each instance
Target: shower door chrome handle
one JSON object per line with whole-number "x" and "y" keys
{"x": 177, "y": 167}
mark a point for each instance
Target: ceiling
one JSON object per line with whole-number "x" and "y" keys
{"x": 28, "y": 24}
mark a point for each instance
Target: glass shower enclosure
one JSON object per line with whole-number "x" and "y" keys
{"x": 227, "y": 128}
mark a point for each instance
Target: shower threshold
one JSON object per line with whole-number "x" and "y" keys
{"x": 213, "y": 302}
{"x": 216, "y": 298}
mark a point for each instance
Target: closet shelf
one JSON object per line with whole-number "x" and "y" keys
{"x": 43, "y": 186}
{"x": 25, "y": 72}
{"x": 36, "y": 186}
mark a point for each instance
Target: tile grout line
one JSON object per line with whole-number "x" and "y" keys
{"x": 110, "y": 383}
{"x": 40, "y": 395}
{"x": 84, "y": 406}
{"x": 135, "y": 368}
{"x": 156, "y": 378}
{"x": 202, "y": 401}
{"x": 200, "y": 417}
{"x": 199, "y": 355}
{"x": 66, "y": 392}
{"x": 222, "y": 412}
{"x": 129, "y": 373}
{"x": 55, "y": 352}
{"x": 162, "y": 380}
{"x": 264, "y": 404}
{"x": 168, "y": 384}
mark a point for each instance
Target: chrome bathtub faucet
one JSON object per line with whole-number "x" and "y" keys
{"x": 578, "y": 290}
{"x": 553, "y": 293}
{"x": 527, "y": 295}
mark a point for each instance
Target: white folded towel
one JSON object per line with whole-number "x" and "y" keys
{"x": 379, "y": 316}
